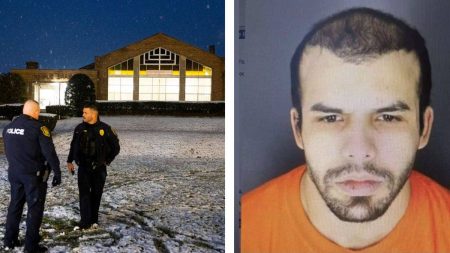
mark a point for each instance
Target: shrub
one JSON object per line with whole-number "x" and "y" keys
{"x": 9, "y": 111}
{"x": 149, "y": 108}
{"x": 161, "y": 108}
{"x": 49, "y": 120}
{"x": 13, "y": 88}
{"x": 80, "y": 89}
{"x": 62, "y": 110}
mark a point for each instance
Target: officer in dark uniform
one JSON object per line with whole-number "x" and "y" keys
{"x": 28, "y": 144}
{"x": 93, "y": 147}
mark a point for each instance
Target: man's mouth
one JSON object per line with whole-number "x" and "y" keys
{"x": 359, "y": 187}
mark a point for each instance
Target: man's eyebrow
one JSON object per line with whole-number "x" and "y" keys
{"x": 319, "y": 107}
{"x": 398, "y": 106}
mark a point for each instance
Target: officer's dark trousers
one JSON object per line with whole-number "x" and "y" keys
{"x": 31, "y": 189}
{"x": 90, "y": 185}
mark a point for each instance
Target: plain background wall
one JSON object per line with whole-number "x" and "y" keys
{"x": 264, "y": 144}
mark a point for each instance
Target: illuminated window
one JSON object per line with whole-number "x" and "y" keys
{"x": 198, "y": 81}
{"x": 159, "y": 89}
{"x": 120, "y": 88}
{"x": 50, "y": 93}
{"x": 159, "y": 75}
{"x": 123, "y": 66}
{"x": 120, "y": 81}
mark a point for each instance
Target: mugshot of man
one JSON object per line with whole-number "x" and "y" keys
{"x": 361, "y": 95}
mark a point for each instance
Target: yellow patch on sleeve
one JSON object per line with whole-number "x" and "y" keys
{"x": 45, "y": 131}
{"x": 102, "y": 132}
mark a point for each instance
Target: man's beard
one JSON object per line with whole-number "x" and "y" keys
{"x": 359, "y": 208}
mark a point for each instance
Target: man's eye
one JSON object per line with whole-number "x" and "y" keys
{"x": 330, "y": 118}
{"x": 388, "y": 118}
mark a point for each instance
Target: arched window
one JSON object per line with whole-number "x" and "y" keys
{"x": 159, "y": 75}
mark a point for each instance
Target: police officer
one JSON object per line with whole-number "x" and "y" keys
{"x": 28, "y": 144}
{"x": 93, "y": 147}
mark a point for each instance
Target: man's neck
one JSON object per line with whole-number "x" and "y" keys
{"x": 352, "y": 235}
{"x": 31, "y": 116}
{"x": 92, "y": 122}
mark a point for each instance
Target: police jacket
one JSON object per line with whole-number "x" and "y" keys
{"x": 28, "y": 144}
{"x": 105, "y": 142}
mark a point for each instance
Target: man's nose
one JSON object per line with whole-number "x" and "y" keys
{"x": 359, "y": 143}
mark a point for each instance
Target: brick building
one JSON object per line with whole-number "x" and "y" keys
{"x": 158, "y": 68}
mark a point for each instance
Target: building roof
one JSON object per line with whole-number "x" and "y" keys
{"x": 159, "y": 40}
{"x": 89, "y": 66}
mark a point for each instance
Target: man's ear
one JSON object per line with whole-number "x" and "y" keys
{"x": 428, "y": 117}
{"x": 295, "y": 124}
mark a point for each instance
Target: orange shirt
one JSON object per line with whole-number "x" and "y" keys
{"x": 273, "y": 220}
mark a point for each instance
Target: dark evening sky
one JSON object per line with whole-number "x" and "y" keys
{"x": 67, "y": 34}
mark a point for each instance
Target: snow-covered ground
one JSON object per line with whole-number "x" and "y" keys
{"x": 164, "y": 192}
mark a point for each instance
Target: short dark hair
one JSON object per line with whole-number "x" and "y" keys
{"x": 358, "y": 35}
{"x": 91, "y": 106}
